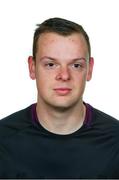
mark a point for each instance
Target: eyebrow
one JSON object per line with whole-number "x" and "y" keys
{"x": 54, "y": 59}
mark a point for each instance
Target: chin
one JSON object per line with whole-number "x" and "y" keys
{"x": 62, "y": 103}
{"x": 63, "y": 106}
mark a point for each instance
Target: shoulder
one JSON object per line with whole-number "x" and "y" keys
{"x": 105, "y": 123}
{"x": 102, "y": 116}
{"x": 15, "y": 122}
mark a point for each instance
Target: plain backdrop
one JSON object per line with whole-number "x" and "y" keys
{"x": 18, "y": 19}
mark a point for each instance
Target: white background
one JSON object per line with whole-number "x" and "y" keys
{"x": 18, "y": 19}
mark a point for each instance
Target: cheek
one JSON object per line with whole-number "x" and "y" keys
{"x": 80, "y": 86}
{"x": 80, "y": 78}
{"x": 43, "y": 80}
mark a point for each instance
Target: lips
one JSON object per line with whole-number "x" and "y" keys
{"x": 62, "y": 91}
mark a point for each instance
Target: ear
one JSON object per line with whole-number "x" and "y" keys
{"x": 90, "y": 68}
{"x": 32, "y": 67}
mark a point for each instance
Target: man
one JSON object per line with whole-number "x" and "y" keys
{"x": 60, "y": 136}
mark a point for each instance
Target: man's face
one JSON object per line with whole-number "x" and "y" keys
{"x": 61, "y": 69}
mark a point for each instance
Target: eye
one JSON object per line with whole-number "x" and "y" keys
{"x": 50, "y": 65}
{"x": 76, "y": 65}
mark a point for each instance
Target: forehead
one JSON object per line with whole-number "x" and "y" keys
{"x": 58, "y": 44}
{"x": 54, "y": 37}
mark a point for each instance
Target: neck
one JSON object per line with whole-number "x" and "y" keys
{"x": 61, "y": 121}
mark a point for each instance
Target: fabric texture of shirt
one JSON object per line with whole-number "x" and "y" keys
{"x": 27, "y": 150}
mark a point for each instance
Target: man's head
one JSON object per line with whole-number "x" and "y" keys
{"x": 61, "y": 63}
{"x": 60, "y": 26}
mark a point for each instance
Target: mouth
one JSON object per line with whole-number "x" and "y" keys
{"x": 62, "y": 91}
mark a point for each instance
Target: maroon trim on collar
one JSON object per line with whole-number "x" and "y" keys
{"x": 88, "y": 116}
{"x": 33, "y": 113}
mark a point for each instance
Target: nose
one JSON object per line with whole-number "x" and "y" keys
{"x": 63, "y": 74}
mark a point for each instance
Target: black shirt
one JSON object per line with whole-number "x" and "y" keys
{"x": 27, "y": 150}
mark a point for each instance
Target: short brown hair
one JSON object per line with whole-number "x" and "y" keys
{"x": 60, "y": 26}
